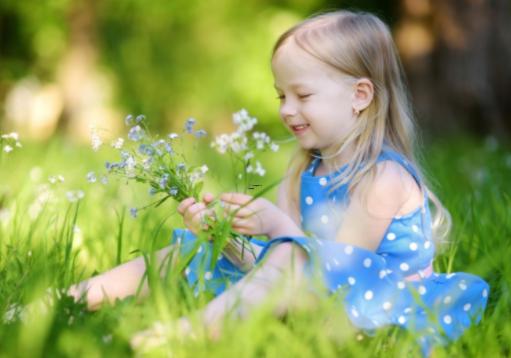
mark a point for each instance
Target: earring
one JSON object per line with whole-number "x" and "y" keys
{"x": 356, "y": 111}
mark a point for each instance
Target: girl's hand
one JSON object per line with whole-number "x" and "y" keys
{"x": 258, "y": 217}
{"x": 194, "y": 213}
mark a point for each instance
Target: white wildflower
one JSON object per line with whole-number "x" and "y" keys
{"x": 173, "y": 135}
{"x": 147, "y": 162}
{"x": 194, "y": 177}
{"x": 221, "y": 143}
{"x": 91, "y": 177}
{"x": 74, "y": 195}
{"x": 77, "y": 236}
{"x": 259, "y": 170}
{"x": 204, "y": 169}
{"x": 243, "y": 120}
{"x": 54, "y": 179}
{"x": 238, "y": 142}
{"x": 96, "y": 141}
{"x": 274, "y": 147}
{"x": 130, "y": 166}
{"x": 248, "y": 156}
{"x": 7, "y": 148}
{"x": 12, "y": 135}
{"x": 118, "y": 143}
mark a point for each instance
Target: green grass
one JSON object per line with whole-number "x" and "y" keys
{"x": 58, "y": 243}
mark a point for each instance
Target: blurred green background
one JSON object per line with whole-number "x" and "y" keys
{"x": 66, "y": 65}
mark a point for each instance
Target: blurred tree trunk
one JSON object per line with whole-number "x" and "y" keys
{"x": 87, "y": 91}
{"x": 457, "y": 54}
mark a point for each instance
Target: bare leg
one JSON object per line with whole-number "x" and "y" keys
{"x": 283, "y": 268}
{"x": 120, "y": 282}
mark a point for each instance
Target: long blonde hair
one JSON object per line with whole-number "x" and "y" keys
{"x": 360, "y": 45}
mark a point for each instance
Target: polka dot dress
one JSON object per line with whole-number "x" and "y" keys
{"x": 394, "y": 285}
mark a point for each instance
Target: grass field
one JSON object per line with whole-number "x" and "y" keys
{"x": 46, "y": 240}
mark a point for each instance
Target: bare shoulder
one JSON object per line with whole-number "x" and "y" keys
{"x": 375, "y": 201}
{"x": 391, "y": 191}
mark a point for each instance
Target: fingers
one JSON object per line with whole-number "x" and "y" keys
{"x": 183, "y": 206}
{"x": 235, "y": 198}
{"x": 208, "y": 198}
{"x": 193, "y": 210}
{"x": 239, "y": 211}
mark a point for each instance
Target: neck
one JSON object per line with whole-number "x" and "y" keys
{"x": 330, "y": 160}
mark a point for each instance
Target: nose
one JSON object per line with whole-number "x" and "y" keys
{"x": 287, "y": 109}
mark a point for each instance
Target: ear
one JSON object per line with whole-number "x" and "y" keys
{"x": 363, "y": 94}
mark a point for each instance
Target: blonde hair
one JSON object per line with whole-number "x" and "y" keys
{"x": 360, "y": 45}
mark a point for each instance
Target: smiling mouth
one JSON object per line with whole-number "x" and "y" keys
{"x": 300, "y": 128}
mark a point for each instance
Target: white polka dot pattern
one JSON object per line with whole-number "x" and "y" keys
{"x": 391, "y": 280}
{"x": 391, "y": 236}
{"x": 404, "y": 266}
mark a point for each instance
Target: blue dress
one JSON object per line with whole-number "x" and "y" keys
{"x": 394, "y": 285}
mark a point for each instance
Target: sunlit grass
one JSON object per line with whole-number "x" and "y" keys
{"x": 54, "y": 243}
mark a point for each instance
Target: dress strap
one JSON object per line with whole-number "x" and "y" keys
{"x": 313, "y": 165}
{"x": 389, "y": 154}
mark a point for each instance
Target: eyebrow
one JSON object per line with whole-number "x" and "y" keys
{"x": 294, "y": 86}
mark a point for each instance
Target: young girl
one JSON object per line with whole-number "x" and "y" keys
{"x": 353, "y": 187}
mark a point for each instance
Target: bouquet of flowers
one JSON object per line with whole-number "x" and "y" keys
{"x": 161, "y": 164}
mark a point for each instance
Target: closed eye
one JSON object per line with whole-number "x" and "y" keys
{"x": 303, "y": 96}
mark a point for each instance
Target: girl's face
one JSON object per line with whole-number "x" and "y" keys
{"x": 316, "y": 101}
